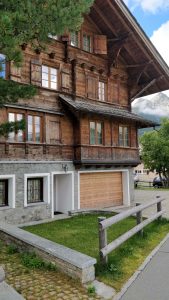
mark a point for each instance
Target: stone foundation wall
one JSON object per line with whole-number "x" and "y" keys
{"x": 71, "y": 262}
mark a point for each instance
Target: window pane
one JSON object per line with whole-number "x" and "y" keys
{"x": 45, "y": 69}
{"x": 37, "y": 129}
{"x": 74, "y": 39}
{"x": 53, "y": 71}
{"x": 92, "y": 133}
{"x": 11, "y": 117}
{"x": 53, "y": 85}
{"x": 45, "y": 83}
{"x": 2, "y": 66}
{"x": 30, "y": 128}
{"x": 120, "y": 136}
{"x": 123, "y": 136}
{"x": 35, "y": 190}
{"x": 15, "y": 136}
{"x": 101, "y": 91}
{"x": 45, "y": 76}
{"x": 11, "y": 135}
{"x": 87, "y": 43}
{"x": 126, "y": 136}
{"x": 99, "y": 134}
{"x": 3, "y": 192}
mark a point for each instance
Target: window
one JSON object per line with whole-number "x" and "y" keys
{"x": 3, "y": 192}
{"x": 123, "y": 136}
{"x": 96, "y": 133}
{"x": 34, "y": 128}
{"x": 74, "y": 39}
{"x": 49, "y": 77}
{"x": 2, "y": 66}
{"x": 102, "y": 86}
{"x": 19, "y": 135}
{"x": 87, "y": 45}
{"x": 34, "y": 190}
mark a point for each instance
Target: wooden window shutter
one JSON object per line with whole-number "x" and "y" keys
{"x": 15, "y": 72}
{"x": 53, "y": 136}
{"x": 36, "y": 72}
{"x": 65, "y": 81}
{"x": 92, "y": 87}
{"x": 100, "y": 44}
{"x": 133, "y": 137}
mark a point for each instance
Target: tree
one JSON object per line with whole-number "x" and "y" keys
{"x": 155, "y": 150}
{"x": 30, "y": 22}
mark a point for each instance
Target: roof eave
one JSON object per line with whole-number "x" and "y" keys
{"x": 143, "y": 36}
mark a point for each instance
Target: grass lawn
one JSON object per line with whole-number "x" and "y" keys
{"x": 81, "y": 233}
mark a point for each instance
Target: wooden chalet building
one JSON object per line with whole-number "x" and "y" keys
{"x": 80, "y": 143}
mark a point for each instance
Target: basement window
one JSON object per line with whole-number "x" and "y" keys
{"x": 34, "y": 190}
{"x": 3, "y": 192}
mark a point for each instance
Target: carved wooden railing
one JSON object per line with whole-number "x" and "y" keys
{"x": 35, "y": 151}
{"x": 85, "y": 152}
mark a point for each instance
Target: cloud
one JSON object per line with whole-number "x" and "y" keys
{"x": 161, "y": 41}
{"x": 151, "y": 6}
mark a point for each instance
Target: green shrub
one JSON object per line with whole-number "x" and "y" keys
{"x": 32, "y": 261}
{"x": 91, "y": 289}
{"x": 12, "y": 249}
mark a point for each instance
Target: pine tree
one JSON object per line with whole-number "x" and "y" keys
{"x": 31, "y": 22}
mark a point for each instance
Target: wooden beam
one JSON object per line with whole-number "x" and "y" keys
{"x": 101, "y": 15}
{"x": 139, "y": 65}
{"x": 142, "y": 71}
{"x": 93, "y": 23}
{"x": 137, "y": 95}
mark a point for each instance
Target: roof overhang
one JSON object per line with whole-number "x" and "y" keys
{"x": 148, "y": 72}
{"x": 105, "y": 110}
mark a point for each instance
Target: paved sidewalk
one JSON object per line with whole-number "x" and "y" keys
{"x": 144, "y": 196}
{"x": 152, "y": 282}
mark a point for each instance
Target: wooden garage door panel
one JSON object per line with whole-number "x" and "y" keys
{"x": 100, "y": 189}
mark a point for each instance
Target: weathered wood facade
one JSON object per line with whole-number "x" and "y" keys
{"x": 81, "y": 114}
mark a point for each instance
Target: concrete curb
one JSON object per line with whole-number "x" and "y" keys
{"x": 2, "y": 275}
{"x": 139, "y": 270}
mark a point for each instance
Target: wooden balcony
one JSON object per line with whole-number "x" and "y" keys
{"x": 85, "y": 154}
{"x": 32, "y": 151}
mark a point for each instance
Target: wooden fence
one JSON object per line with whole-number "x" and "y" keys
{"x": 143, "y": 183}
{"x": 104, "y": 223}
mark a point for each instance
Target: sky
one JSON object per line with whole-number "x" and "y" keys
{"x": 153, "y": 16}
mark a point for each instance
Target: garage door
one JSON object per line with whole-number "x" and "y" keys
{"x": 100, "y": 189}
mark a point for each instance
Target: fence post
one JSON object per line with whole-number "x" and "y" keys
{"x": 139, "y": 219}
{"x": 102, "y": 240}
{"x": 159, "y": 207}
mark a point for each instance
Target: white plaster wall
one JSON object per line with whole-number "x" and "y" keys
{"x": 63, "y": 201}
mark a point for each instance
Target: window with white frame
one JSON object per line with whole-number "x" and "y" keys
{"x": 49, "y": 77}
{"x": 3, "y": 192}
{"x": 37, "y": 189}
{"x": 7, "y": 191}
{"x": 102, "y": 89}
{"x": 34, "y": 190}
